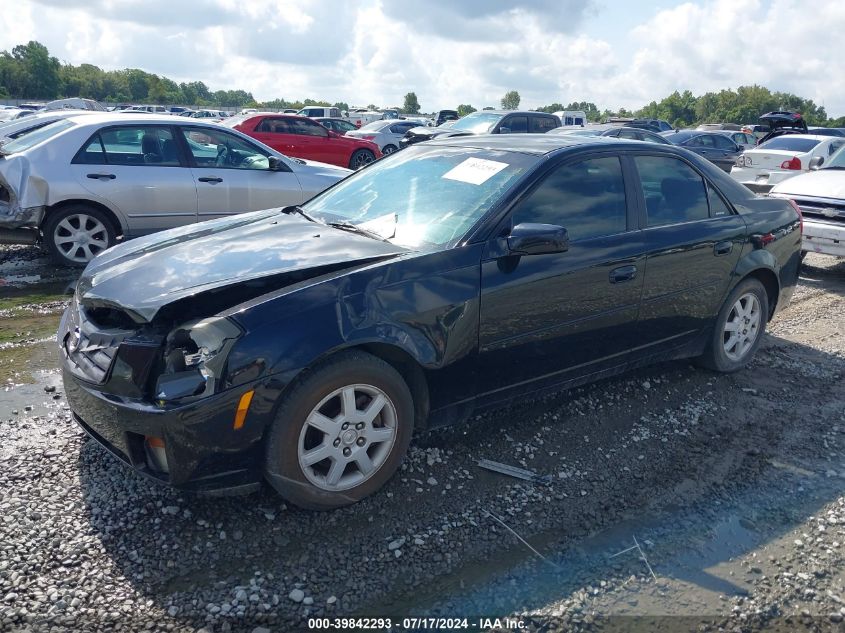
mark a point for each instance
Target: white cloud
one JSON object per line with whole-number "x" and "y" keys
{"x": 450, "y": 51}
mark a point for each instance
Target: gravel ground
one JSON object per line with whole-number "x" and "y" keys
{"x": 733, "y": 486}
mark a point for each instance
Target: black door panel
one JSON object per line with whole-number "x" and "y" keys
{"x": 558, "y": 314}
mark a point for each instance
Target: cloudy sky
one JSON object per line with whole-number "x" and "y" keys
{"x": 612, "y": 52}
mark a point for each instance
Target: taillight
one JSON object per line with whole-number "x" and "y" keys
{"x": 370, "y": 137}
{"x": 800, "y": 215}
{"x": 792, "y": 163}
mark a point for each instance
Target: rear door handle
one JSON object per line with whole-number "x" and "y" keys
{"x": 98, "y": 176}
{"x": 723, "y": 248}
{"x": 623, "y": 273}
{"x": 211, "y": 179}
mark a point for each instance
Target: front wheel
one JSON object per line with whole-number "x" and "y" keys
{"x": 340, "y": 433}
{"x": 388, "y": 149}
{"x": 75, "y": 234}
{"x": 739, "y": 328}
{"x": 360, "y": 158}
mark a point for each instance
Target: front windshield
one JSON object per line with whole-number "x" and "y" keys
{"x": 837, "y": 161}
{"x": 422, "y": 197}
{"x": 477, "y": 122}
{"x": 37, "y": 136}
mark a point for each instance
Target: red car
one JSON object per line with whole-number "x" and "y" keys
{"x": 302, "y": 137}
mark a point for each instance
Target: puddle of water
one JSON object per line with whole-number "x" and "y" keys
{"x": 693, "y": 561}
{"x": 18, "y": 397}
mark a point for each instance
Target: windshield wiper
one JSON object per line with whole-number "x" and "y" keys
{"x": 297, "y": 209}
{"x": 354, "y": 228}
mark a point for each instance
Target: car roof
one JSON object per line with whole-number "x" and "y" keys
{"x": 511, "y": 112}
{"x": 536, "y": 144}
{"x": 671, "y": 133}
{"x": 106, "y": 118}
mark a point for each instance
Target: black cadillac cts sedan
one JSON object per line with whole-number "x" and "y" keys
{"x": 303, "y": 346}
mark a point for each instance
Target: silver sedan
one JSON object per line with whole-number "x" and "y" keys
{"x": 83, "y": 182}
{"x": 386, "y": 134}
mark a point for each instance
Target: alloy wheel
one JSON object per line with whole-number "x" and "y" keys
{"x": 361, "y": 159}
{"x": 347, "y": 437}
{"x": 80, "y": 237}
{"x": 742, "y": 327}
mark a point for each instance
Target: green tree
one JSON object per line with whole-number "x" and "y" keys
{"x": 465, "y": 109}
{"x": 38, "y": 72}
{"x": 511, "y": 100}
{"x": 411, "y": 105}
{"x": 342, "y": 106}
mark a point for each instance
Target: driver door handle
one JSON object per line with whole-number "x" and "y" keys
{"x": 104, "y": 176}
{"x": 623, "y": 273}
{"x": 723, "y": 248}
{"x": 211, "y": 179}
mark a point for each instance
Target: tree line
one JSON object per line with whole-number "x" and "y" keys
{"x": 28, "y": 71}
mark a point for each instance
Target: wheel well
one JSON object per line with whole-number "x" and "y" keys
{"x": 410, "y": 371}
{"x": 118, "y": 228}
{"x": 770, "y": 283}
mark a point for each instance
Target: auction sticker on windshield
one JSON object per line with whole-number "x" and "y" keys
{"x": 475, "y": 170}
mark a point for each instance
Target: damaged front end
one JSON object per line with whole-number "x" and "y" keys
{"x": 160, "y": 363}
{"x": 23, "y": 201}
{"x": 154, "y": 394}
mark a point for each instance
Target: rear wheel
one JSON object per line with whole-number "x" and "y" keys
{"x": 75, "y": 234}
{"x": 360, "y": 158}
{"x": 739, "y": 328}
{"x": 388, "y": 149}
{"x": 341, "y": 432}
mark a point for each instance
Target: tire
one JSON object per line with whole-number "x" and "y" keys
{"x": 316, "y": 462}
{"x": 389, "y": 149}
{"x": 77, "y": 233}
{"x": 739, "y": 328}
{"x": 361, "y": 158}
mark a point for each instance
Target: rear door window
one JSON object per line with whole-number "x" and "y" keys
{"x": 542, "y": 124}
{"x": 274, "y": 126}
{"x": 722, "y": 142}
{"x": 304, "y": 127}
{"x": 517, "y": 124}
{"x": 139, "y": 146}
{"x": 674, "y": 192}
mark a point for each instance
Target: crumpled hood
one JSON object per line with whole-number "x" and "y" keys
{"x": 824, "y": 183}
{"x": 145, "y": 274}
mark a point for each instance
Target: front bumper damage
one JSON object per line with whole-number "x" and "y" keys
{"x": 193, "y": 446}
{"x": 23, "y": 197}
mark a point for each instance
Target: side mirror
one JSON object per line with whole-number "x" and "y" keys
{"x": 504, "y": 130}
{"x": 816, "y": 162}
{"x": 277, "y": 164}
{"x": 537, "y": 239}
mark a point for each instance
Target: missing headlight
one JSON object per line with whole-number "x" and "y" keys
{"x": 195, "y": 359}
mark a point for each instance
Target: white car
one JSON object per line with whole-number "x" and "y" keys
{"x": 386, "y": 134}
{"x": 820, "y": 194}
{"x": 781, "y": 158}
{"x": 113, "y": 175}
